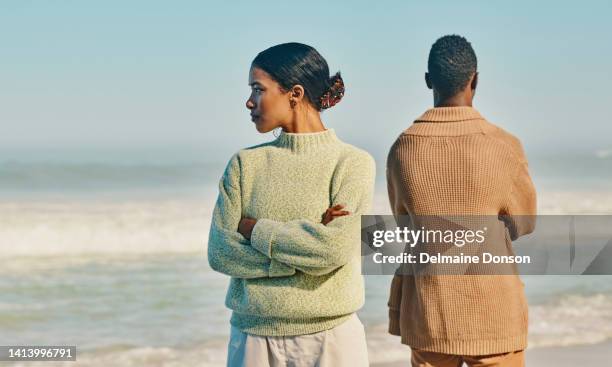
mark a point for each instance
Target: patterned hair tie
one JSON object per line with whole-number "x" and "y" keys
{"x": 334, "y": 94}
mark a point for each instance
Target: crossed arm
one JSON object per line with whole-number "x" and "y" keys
{"x": 320, "y": 248}
{"x": 229, "y": 247}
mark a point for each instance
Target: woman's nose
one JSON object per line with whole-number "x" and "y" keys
{"x": 249, "y": 104}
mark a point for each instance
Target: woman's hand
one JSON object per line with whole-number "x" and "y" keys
{"x": 333, "y": 212}
{"x": 245, "y": 227}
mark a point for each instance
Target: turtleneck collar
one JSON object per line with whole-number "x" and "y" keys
{"x": 305, "y": 142}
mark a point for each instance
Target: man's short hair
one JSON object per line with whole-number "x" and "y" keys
{"x": 451, "y": 64}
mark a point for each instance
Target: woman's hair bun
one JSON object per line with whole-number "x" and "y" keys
{"x": 334, "y": 93}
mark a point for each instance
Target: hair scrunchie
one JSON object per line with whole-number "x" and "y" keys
{"x": 334, "y": 94}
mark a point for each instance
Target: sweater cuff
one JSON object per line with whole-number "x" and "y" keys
{"x": 261, "y": 236}
{"x": 394, "y": 322}
{"x": 278, "y": 269}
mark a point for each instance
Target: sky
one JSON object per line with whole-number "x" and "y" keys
{"x": 167, "y": 80}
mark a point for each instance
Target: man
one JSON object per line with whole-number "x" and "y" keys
{"x": 451, "y": 161}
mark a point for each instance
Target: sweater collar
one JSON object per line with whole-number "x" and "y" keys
{"x": 448, "y": 121}
{"x": 305, "y": 142}
{"x": 449, "y": 114}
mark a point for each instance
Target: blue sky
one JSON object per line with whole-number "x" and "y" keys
{"x": 121, "y": 80}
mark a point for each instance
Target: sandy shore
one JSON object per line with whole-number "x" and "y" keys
{"x": 582, "y": 355}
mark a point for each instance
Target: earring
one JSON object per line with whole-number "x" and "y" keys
{"x": 292, "y": 103}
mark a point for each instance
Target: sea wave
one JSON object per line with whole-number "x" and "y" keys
{"x": 570, "y": 320}
{"x": 66, "y": 228}
{"x": 575, "y": 202}
{"x": 170, "y": 223}
{"x": 156, "y": 310}
{"x": 550, "y": 202}
{"x": 65, "y": 177}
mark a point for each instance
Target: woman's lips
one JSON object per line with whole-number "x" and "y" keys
{"x": 254, "y": 118}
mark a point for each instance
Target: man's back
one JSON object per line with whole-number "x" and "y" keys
{"x": 453, "y": 162}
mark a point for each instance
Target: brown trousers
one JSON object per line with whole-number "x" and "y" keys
{"x": 422, "y": 358}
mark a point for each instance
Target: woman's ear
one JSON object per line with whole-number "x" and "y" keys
{"x": 297, "y": 93}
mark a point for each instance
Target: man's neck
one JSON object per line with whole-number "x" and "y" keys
{"x": 458, "y": 100}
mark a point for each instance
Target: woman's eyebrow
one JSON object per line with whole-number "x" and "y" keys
{"x": 256, "y": 82}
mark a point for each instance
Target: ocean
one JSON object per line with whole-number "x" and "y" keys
{"x": 112, "y": 258}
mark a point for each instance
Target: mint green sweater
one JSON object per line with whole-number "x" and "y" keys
{"x": 295, "y": 276}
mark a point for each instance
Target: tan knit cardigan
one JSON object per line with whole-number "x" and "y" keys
{"x": 451, "y": 161}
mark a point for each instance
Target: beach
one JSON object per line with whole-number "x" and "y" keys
{"x": 118, "y": 268}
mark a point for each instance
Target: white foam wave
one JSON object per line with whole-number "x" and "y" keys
{"x": 80, "y": 228}
{"x": 575, "y": 202}
{"x": 549, "y": 202}
{"x": 571, "y": 320}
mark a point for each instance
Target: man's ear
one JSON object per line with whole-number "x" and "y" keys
{"x": 428, "y": 81}
{"x": 474, "y": 82}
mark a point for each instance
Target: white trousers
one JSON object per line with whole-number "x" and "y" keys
{"x": 342, "y": 346}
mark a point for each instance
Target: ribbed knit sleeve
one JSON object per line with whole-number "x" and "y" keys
{"x": 313, "y": 247}
{"x": 521, "y": 208}
{"x": 395, "y": 304}
{"x": 395, "y": 294}
{"x": 228, "y": 251}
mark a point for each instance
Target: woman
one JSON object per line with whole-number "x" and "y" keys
{"x": 286, "y": 226}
